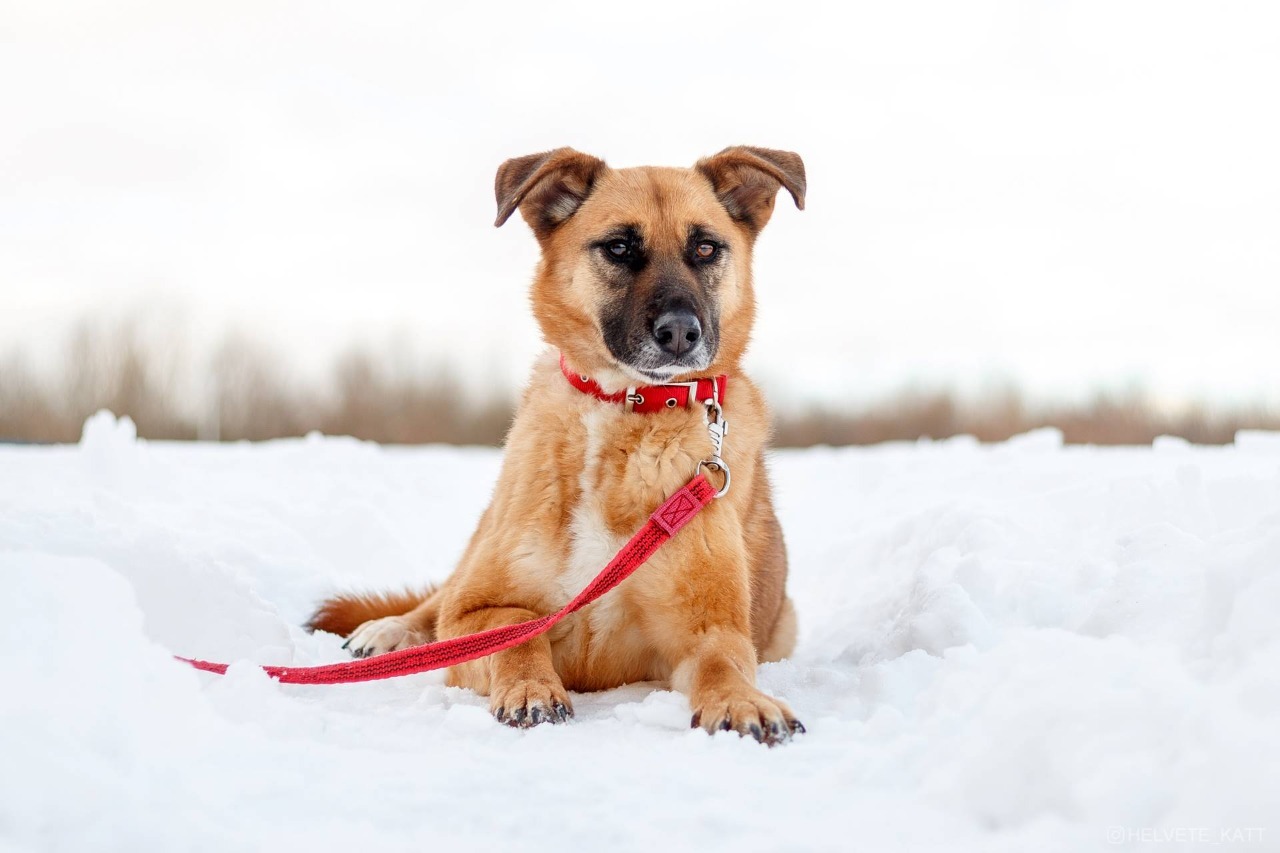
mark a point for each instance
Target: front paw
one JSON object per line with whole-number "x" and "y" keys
{"x": 749, "y": 714}
{"x": 384, "y": 635}
{"x": 528, "y": 703}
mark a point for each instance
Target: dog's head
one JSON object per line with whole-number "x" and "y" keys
{"x": 645, "y": 274}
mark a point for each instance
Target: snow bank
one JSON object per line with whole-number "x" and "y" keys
{"x": 1012, "y": 647}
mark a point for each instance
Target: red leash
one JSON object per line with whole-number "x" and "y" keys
{"x": 665, "y": 522}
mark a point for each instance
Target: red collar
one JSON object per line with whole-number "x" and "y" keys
{"x": 647, "y": 399}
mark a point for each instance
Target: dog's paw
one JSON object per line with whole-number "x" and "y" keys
{"x": 383, "y": 635}
{"x": 529, "y": 703}
{"x": 749, "y": 714}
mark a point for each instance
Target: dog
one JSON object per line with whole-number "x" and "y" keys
{"x": 644, "y": 283}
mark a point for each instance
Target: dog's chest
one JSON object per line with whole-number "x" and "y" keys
{"x": 592, "y": 543}
{"x": 624, "y": 465}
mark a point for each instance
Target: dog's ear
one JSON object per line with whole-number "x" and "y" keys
{"x": 548, "y": 187}
{"x": 748, "y": 179}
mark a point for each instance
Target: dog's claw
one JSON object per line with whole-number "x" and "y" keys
{"x": 525, "y": 704}
{"x": 753, "y": 716}
{"x": 528, "y": 716}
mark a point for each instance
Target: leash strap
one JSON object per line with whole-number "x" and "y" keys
{"x": 665, "y": 522}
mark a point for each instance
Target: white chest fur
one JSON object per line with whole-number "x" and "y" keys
{"x": 592, "y": 544}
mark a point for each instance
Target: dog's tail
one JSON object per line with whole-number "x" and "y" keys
{"x": 342, "y": 614}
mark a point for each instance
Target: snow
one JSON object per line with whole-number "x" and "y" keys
{"x": 1010, "y": 647}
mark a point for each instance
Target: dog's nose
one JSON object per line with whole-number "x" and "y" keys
{"x": 677, "y": 332}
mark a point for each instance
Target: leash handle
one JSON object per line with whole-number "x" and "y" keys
{"x": 665, "y": 522}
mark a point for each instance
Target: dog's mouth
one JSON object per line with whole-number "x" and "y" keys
{"x": 660, "y": 376}
{"x": 661, "y": 367}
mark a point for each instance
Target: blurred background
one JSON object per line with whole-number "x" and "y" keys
{"x": 257, "y": 219}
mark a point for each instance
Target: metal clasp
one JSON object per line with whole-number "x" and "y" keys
{"x": 717, "y": 429}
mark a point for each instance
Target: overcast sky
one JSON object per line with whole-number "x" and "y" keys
{"x": 1064, "y": 196}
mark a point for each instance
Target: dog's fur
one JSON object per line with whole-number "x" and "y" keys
{"x": 620, "y": 247}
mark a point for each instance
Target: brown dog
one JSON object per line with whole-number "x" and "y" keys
{"x": 644, "y": 282}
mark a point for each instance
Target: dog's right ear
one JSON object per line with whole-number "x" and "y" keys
{"x": 548, "y": 187}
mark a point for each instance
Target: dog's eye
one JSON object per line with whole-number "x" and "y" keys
{"x": 618, "y": 249}
{"x": 706, "y": 251}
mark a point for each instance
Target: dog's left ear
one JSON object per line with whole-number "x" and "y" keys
{"x": 548, "y": 187}
{"x": 748, "y": 179}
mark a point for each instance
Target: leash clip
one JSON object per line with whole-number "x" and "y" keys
{"x": 717, "y": 429}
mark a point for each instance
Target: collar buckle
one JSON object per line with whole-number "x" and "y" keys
{"x": 692, "y": 397}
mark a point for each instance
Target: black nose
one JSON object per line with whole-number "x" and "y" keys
{"x": 677, "y": 331}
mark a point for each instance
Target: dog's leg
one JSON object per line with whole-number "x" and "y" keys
{"x": 522, "y": 684}
{"x": 707, "y": 641}
{"x": 783, "y": 639}
{"x": 717, "y": 673}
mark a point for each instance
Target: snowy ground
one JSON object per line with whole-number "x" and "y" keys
{"x": 1018, "y": 647}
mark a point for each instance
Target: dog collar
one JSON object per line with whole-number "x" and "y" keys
{"x": 647, "y": 399}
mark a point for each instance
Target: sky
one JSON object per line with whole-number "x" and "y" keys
{"x": 1067, "y": 198}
